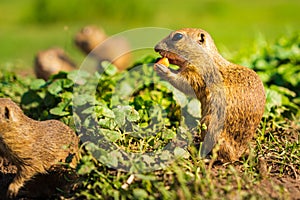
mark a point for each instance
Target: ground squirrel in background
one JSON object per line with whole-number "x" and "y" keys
{"x": 232, "y": 96}
{"x": 34, "y": 147}
{"x": 52, "y": 61}
{"x": 94, "y": 42}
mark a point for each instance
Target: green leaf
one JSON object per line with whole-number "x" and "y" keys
{"x": 87, "y": 166}
{"x": 125, "y": 89}
{"x": 132, "y": 115}
{"x": 78, "y": 76}
{"x": 112, "y": 136}
{"x": 180, "y": 98}
{"x": 37, "y": 84}
{"x": 67, "y": 83}
{"x": 89, "y": 110}
{"x": 67, "y": 95}
{"x": 59, "y": 111}
{"x": 112, "y": 160}
{"x": 107, "y": 123}
{"x": 168, "y": 134}
{"x": 140, "y": 193}
{"x": 109, "y": 158}
{"x": 59, "y": 75}
{"x": 147, "y": 177}
{"x": 273, "y": 98}
{"x": 194, "y": 108}
{"x": 109, "y": 68}
{"x": 83, "y": 99}
{"x": 180, "y": 152}
{"x": 56, "y": 87}
{"x": 283, "y": 90}
{"x": 91, "y": 147}
{"x": 119, "y": 117}
{"x": 107, "y": 112}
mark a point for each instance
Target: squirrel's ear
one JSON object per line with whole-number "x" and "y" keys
{"x": 6, "y": 113}
{"x": 201, "y": 38}
{"x": 9, "y": 115}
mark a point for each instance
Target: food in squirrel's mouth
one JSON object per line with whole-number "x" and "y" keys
{"x": 174, "y": 59}
{"x": 164, "y": 61}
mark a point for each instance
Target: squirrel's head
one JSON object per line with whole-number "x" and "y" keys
{"x": 188, "y": 39}
{"x": 188, "y": 46}
{"x": 89, "y": 37}
{"x": 52, "y": 60}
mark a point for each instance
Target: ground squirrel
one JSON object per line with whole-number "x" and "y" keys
{"x": 93, "y": 41}
{"x": 34, "y": 147}
{"x": 52, "y": 61}
{"x": 232, "y": 96}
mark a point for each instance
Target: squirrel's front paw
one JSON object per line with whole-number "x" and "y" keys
{"x": 161, "y": 69}
{"x": 161, "y": 66}
{"x": 12, "y": 191}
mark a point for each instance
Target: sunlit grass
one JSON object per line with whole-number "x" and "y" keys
{"x": 32, "y": 25}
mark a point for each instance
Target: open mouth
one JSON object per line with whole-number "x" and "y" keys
{"x": 172, "y": 58}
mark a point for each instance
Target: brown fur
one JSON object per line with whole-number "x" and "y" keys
{"x": 232, "y": 97}
{"x": 52, "y": 61}
{"x": 93, "y": 41}
{"x": 34, "y": 147}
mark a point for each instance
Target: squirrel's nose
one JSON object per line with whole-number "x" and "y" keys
{"x": 157, "y": 48}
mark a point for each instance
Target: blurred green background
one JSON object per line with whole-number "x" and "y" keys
{"x": 31, "y": 25}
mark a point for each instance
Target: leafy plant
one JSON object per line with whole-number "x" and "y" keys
{"x": 188, "y": 176}
{"x": 13, "y": 86}
{"x": 49, "y": 100}
{"x": 136, "y": 130}
{"x": 278, "y": 65}
{"x": 127, "y": 121}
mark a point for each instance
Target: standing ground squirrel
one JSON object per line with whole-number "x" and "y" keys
{"x": 33, "y": 146}
{"x": 232, "y": 96}
{"x": 52, "y": 61}
{"x": 93, "y": 41}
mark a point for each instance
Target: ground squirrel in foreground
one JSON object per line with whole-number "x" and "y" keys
{"x": 52, "y": 61}
{"x": 232, "y": 96}
{"x": 93, "y": 41}
{"x": 32, "y": 146}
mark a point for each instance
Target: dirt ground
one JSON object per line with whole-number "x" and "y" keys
{"x": 274, "y": 186}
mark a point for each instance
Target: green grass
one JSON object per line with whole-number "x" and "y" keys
{"x": 30, "y": 25}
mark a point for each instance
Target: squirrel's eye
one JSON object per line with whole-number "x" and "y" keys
{"x": 177, "y": 36}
